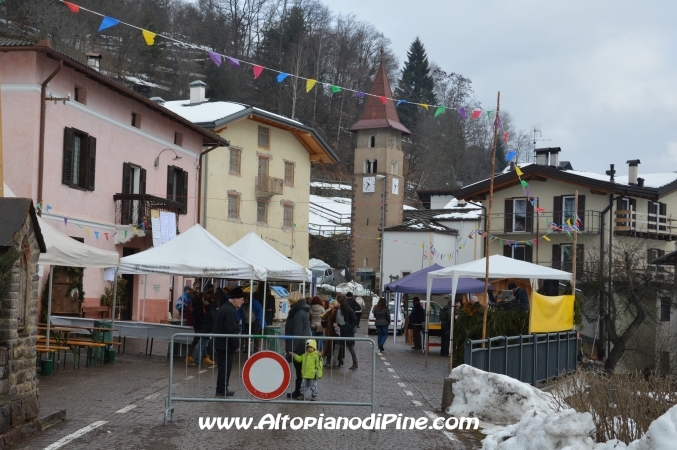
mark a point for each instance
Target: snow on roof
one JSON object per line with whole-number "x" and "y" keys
{"x": 474, "y": 214}
{"x": 454, "y": 203}
{"x": 336, "y": 186}
{"x": 287, "y": 119}
{"x": 329, "y": 215}
{"x": 204, "y": 112}
{"x": 314, "y": 262}
{"x": 409, "y": 208}
{"x": 652, "y": 180}
{"x": 142, "y": 82}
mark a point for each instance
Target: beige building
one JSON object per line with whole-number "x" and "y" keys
{"x": 634, "y": 209}
{"x": 261, "y": 181}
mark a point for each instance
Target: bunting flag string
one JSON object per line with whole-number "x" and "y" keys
{"x": 218, "y": 58}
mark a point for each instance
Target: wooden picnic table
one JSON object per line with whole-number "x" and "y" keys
{"x": 59, "y": 335}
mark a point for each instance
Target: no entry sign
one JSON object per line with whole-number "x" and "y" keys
{"x": 266, "y": 375}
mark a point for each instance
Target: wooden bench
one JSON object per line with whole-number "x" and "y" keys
{"x": 76, "y": 344}
{"x": 41, "y": 349}
{"x": 97, "y": 312}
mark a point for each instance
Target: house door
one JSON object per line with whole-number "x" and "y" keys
{"x": 127, "y": 312}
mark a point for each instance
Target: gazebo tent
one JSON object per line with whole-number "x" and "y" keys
{"x": 63, "y": 250}
{"x": 193, "y": 253}
{"x": 279, "y": 267}
{"x": 500, "y": 267}
{"x": 416, "y": 283}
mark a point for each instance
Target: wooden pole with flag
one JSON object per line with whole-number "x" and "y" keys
{"x": 488, "y": 230}
{"x": 573, "y": 267}
{"x": 2, "y": 178}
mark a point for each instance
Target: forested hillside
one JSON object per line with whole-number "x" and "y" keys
{"x": 302, "y": 37}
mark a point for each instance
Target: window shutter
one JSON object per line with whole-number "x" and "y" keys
{"x": 507, "y": 213}
{"x": 507, "y": 251}
{"x": 184, "y": 192}
{"x": 142, "y": 181}
{"x": 530, "y": 216}
{"x": 581, "y": 212}
{"x": 651, "y": 217}
{"x": 649, "y": 255}
{"x": 557, "y": 210}
{"x": 91, "y": 162}
{"x": 556, "y": 256}
{"x": 663, "y": 212}
{"x": 126, "y": 178}
{"x": 633, "y": 207}
{"x": 170, "y": 183}
{"x": 528, "y": 253}
{"x": 68, "y": 143}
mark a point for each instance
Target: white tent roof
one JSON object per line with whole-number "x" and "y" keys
{"x": 66, "y": 251}
{"x": 279, "y": 267}
{"x": 500, "y": 267}
{"x": 194, "y": 253}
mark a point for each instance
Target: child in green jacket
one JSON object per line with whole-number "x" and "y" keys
{"x": 311, "y": 369}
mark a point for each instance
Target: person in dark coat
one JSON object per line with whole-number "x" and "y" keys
{"x": 346, "y": 321}
{"x": 445, "y": 322}
{"x": 519, "y": 297}
{"x": 195, "y": 320}
{"x": 352, "y": 301}
{"x": 332, "y": 347}
{"x": 298, "y": 324}
{"x": 416, "y": 321}
{"x": 382, "y": 322}
{"x": 227, "y": 323}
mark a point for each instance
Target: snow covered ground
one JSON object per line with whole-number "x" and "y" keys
{"x": 531, "y": 420}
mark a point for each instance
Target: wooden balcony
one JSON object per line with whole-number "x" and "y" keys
{"x": 269, "y": 186}
{"x": 644, "y": 225}
{"x": 130, "y": 209}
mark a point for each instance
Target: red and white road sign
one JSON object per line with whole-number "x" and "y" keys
{"x": 266, "y": 375}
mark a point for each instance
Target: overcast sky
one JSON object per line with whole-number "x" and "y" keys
{"x": 599, "y": 76}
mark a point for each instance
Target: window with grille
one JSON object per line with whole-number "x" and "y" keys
{"x": 233, "y": 206}
{"x": 288, "y": 216}
{"x": 264, "y": 137}
{"x": 235, "y": 155}
{"x": 289, "y": 173}
{"x": 261, "y": 211}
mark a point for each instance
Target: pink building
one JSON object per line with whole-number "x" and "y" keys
{"x": 97, "y": 157}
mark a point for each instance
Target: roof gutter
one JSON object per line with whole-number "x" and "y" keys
{"x": 203, "y": 222}
{"x": 43, "y": 114}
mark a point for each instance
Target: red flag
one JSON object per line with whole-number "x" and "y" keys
{"x": 383, "y": 99}
{"x": 257, "y": 71}
{"x": 72, "y": 6}
{"x": 476, "y": 113}
{"x": 505, "y": 136}
{"x": 470, "y": 236}
{"x": 106, "y": 234}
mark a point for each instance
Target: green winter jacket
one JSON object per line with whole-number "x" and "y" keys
{"x": 311, "y": 365}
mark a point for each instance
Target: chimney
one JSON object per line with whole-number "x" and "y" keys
{"x": 632, "y": 170}
{"x": 640, "y": 182}
{"x": 93, "y": 60}
{"x": 512, "y": 166}
{"x": 541, "y": 158}
{"x": 548, "y": 156}
{"x": 197, "y": 91}
{"x": 611, "y": 172}
{"x": 158, "y": 100}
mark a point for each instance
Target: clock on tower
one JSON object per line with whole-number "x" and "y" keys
{"x": 368, "y": 184}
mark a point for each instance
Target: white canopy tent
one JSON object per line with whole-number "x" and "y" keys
{"x": 500, "y": 267}
{"x": 63, "y": 250}
{"x": 193, "y": 253}
{"x": 279, "y": 267}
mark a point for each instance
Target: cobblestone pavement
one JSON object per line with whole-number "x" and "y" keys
{"x": 123, "y": 404}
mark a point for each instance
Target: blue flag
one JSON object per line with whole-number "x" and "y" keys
{"x": 108, "y": 22}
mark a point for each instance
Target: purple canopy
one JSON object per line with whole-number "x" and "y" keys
{"x": 417, "y": 283}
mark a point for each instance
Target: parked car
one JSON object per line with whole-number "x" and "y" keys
{"x": 323, "y": 275}
{"x": 400, "y": 320}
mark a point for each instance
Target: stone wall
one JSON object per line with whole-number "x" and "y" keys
{"x": 19, "y": 405}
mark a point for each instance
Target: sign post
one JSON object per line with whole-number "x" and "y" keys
{"x": 266, "y": 375}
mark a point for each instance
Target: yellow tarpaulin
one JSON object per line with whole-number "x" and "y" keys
{"x": 551, "y": 314}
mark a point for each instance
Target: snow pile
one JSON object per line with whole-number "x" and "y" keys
{"x": 661, "y": 435}
{"x": 494, "y": 398}
{"x": 344, "y": 288}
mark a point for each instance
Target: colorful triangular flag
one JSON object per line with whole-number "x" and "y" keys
{"x": 335, "y": 89}
{"x": 462, "y": 113}
{"x": 257, "y": 71}
{"x": 234, "y": 62}
{"x": 310, "y": 84}
{"x": 72, "y": 6}
{"x": 216, "y": 57}
{"x": 149, "y": 37}
{"x": 476, "y": 113}
{"x": 108, "y": 22}
{"x": 439, "y": 110}
{"x": 518, "y": 170}
{"x": 281, "y": 77}
{"x": 383, "y": 99}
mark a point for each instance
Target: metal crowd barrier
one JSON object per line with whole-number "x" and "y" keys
{"x": 336, "y": 387}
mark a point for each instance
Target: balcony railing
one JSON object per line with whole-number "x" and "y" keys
{"x": 269, "y": 185}
{"x": 130, "y": 209}
{"x": 532, "y": 223}
{"x": 656, "y": 226}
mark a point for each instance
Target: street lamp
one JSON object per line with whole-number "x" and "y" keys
{"x": 383, "y": 225}
{"x": 157, "y": 159}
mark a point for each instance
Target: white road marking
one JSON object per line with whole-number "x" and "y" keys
{"x": 402, "y": 384}
{"x": 383, "y": 358}
{"x": 202, "y": 371}
{"x": 431, "y": 415}
{"x": 390, "y": 369}
{"x": 451, "y": 436}
{"x": 386, "y": 363}
{"x": 152, "y": 396}
{"x": 65, "y": 440}
{"x": 125, "y": 409}
{"x": 395, "y": 376}
{"x": 189, "y": 378}
{"x": 416, "y": 403}
{"x": 409, "y": 393}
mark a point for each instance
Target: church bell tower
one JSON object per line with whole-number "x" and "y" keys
{"x": 378, "y": 186}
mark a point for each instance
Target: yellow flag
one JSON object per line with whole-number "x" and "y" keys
{"x": 569, "y": 222}
{"x": 310, "y": 84}
{"x": 149, "y": 36}
{"x": 546, "y": 238}
{"x": 88, "y": 231}
{"x": 425, "y": 105}
{"x": 517, "y": 169}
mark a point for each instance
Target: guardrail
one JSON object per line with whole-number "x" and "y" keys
{"x": 340, "y": 385}
{"x": 528, "y": 358}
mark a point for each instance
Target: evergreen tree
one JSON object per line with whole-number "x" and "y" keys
{"x": 415, "y": 84}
